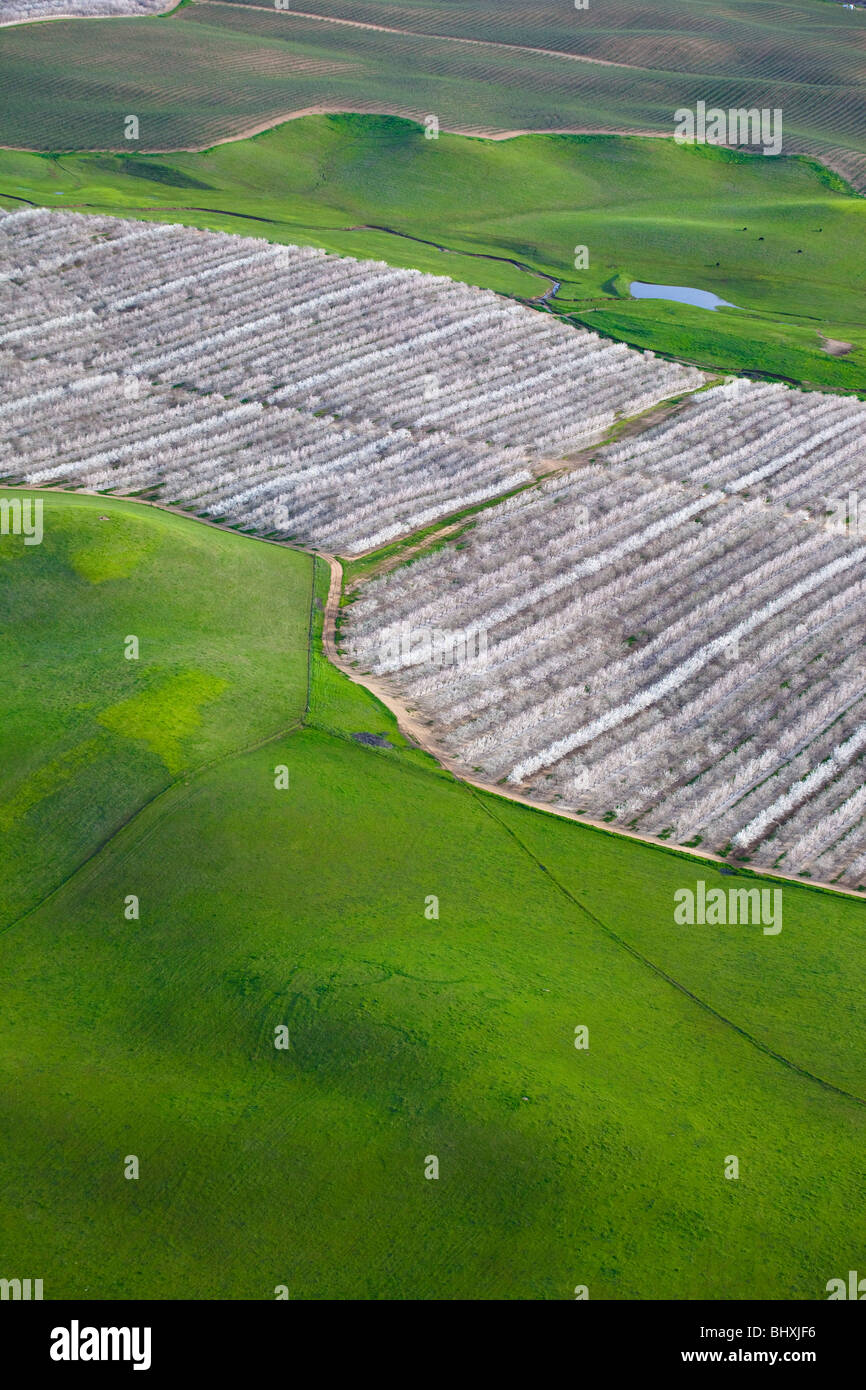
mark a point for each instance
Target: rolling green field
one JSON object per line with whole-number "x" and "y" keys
{"x": 211, "y": 71}
{"x": 783, "y": 239}
{"x": 409, "y": 1037}
{"x": 107, "y": 746}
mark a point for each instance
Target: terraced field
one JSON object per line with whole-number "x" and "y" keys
{"x": 242, "y": 67}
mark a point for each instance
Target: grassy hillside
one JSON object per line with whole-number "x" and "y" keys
{"x": 214, "y": 70}
{"x": 409, "y": 1037}
{"x": 89, "y": 736}
{"x": 782, "y": 239}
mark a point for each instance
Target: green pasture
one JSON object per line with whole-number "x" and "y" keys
{"x": 410, "y": 1036}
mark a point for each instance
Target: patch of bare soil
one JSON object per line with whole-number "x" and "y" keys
{"x": 836, "y": 347}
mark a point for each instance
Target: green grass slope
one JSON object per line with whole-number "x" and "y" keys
{"x": 214, "y": 70}
{"x": 89, "y": 735}
{"x": 781, "y": 239}
{"x": 409, "y": 1037}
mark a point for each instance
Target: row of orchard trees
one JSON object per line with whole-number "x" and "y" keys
{"x": 687, "y": 659}
{"x": 337, "y": 401}
{"x": 318, "y": 332}
{"x": 343, "y": 487}
{"x": 799, "y": 449}
{"x": 17, "y": 11}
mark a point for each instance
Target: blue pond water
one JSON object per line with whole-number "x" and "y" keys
{"x": 680, "y": 294}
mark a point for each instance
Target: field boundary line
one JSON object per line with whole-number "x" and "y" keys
{"x": 657, "y": 970}
{"x": 311, "y": 622}
{"x": 184, "y": 781}
{"x": 160, "y": 507}
{"x": 416, "y": 732}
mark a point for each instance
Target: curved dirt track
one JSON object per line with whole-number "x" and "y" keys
{"x": 274, "y": 122}
{"x": 418, "y": 732}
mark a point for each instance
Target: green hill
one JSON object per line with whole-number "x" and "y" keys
{"x": 411, "y": 1037}
{"x": 782, "y": 239}
{"x": 211, "y": 71}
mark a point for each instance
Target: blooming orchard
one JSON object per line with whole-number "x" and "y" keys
{"x": 666, "y": 647}
{"x": 672, "y": 632}
{"x": 333, "y": 401}
{"x": 16, "y": 11}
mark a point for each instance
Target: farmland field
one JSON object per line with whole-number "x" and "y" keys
{"x": 779, "y": 238}
{"x": 409, "y": 1036}
{"x": 240, "y": 67}
{"x": 670, "y": 634}
{"x": 332, "y": 401}
{"x": 640, "y": 605}
{"x": 432, "y": 689}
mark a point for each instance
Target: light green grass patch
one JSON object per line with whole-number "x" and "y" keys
{"x": 113, "y": 552}
{"x": 166, "y": 715}
{"x": 193, "y": 590}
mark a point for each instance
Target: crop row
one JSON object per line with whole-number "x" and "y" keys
{"x": 678, "y": 658}
{"x": 14, "y": 11}
{"x": 802, "y": 451}
{"x": 335, "y": 401}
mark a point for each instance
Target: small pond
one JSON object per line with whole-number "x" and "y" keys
{"x": 680, "y": 294}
